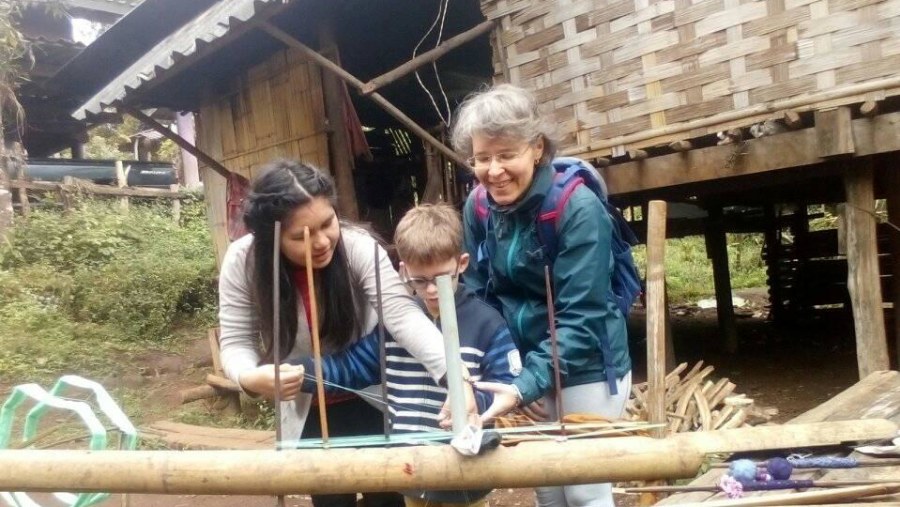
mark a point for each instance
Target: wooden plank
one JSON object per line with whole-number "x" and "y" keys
{"x": 781, "y": 151}
{"x": 188, "y": 436}
{"x": 834, "y": 132}
{"x": 862, "y": 260}
{"x": 656, "y": 316}
{"x": 877, "y": 395}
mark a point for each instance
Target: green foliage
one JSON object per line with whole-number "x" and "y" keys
{"x": 689, "y": 272}
{"x": 77, "y": 289}
{"x": 113, "y": 142}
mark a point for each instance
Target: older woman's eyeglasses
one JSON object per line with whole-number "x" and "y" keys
{"x": 421, "y": 283}
{"x": 504, "y": 157}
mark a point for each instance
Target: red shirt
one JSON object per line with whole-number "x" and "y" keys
{"x": 303, "y": 288}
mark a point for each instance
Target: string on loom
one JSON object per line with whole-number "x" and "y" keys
{"x": 545, "y": 431}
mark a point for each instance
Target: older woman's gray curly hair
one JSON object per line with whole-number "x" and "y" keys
{"x": 503, "y": 111}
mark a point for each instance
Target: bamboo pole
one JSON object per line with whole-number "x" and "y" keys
{"x": 177, "y": 139}
{"x": 455, "y": 365}
{"x": 805, "y": 102}
{"x": 332, "y": 67}
{"x": 427, "y": 57}
{"x": 322, "y": 471}
{"x": 327, "y": 471}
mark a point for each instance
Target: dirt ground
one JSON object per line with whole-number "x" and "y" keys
{"x": 790, "y": 368}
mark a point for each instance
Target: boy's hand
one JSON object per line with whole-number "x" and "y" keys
{"x": 445, "y": 419}
{"x": 506, "y": 398}
{"x": 261, "y": 381}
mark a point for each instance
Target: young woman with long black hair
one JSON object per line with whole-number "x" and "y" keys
{"x": 344, "y": 268}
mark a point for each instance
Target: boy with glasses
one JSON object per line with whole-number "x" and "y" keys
{"x": 430, "y": 244}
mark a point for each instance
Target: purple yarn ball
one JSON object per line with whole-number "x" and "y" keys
{"x": 743, "y": 470}
{"x": 780, "y": 469}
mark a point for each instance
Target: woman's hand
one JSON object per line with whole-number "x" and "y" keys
{"x": 506, "y": 398}
{"x": 261, "y": 381}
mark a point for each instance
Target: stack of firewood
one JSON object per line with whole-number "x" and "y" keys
{"x": 696, "y": 403}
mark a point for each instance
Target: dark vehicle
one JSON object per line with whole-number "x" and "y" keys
{"x": 102, "y": 172}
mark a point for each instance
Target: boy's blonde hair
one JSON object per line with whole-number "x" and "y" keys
{"x": 429, "y": 234}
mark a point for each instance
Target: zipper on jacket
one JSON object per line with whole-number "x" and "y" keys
{"x": 519, "y": 316}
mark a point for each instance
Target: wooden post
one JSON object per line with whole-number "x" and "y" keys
{"x": 656, "y": 316}
{"x": 65, "y": 193}
{"x": 863, "y": 279}
{"x": 717, "y": 251}
{"x": 773, "y": 263}
{"x": 434, "y": 185}
{"x": 341, "y": 155}
{"x": 19, "y": 164}
{"x": 121, "y": 182}
{"x": 892, "y": 187}
{"x": 6, "y": 212}
{"x": 176, "y": 205}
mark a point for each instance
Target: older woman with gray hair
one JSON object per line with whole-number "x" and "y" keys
{"x": 511, "y": 149}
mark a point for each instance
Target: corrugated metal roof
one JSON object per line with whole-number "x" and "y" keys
{"x": 209, "y": 26}
{"x": 119, "y": 7}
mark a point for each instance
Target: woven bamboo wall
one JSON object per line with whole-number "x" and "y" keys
{"x": 276, "y": 109}
{"x": 643, "y": 68}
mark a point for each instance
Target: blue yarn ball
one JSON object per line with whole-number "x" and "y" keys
{"x": 743, "y": 470}
{"x": 780, "y": 469}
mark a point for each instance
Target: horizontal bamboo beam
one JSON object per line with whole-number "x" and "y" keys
{"x": 336, "y": 69}
{"x": 93, "y": 188}
{"x": 346, "y": 470}
{"x": 802, "y": 103}
{"x": 427, "y": 57}
{"x": 419, "y": 467}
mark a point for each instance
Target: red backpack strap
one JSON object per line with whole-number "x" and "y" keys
{"x": 481, "y": 205}
{"x": 554, "y": 204}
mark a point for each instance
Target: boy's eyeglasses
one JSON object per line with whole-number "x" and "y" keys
{"x": 503, "y": 158}
{"x": 421, "y": 283}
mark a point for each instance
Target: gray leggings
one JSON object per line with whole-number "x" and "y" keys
{"x": 586, "y": 399}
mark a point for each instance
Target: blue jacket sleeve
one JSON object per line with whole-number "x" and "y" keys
{"x": 356, "y": 367}
{"x": 581, "y": 281}
{"x": 500, "y": 363}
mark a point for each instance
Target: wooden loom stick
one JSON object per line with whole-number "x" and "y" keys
{"x": 382, "y": 346}
{"x": 314, "y": 329}
{"x": 551, "y": 318}
{"x": 712, "y": 489}
{"x": 276, "y": 336}
{"x": 835, "y": 495}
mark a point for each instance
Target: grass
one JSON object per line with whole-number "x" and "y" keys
{"x": 689, "y": 272}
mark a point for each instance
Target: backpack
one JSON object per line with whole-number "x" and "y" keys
{"x": 570, "y": 172}
{"x": 625, "y": 283}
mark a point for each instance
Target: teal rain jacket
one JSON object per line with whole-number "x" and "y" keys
{"x": 507, "y": 270}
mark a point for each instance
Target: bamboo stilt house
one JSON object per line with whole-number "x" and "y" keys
{"x": 747, "y": 115}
